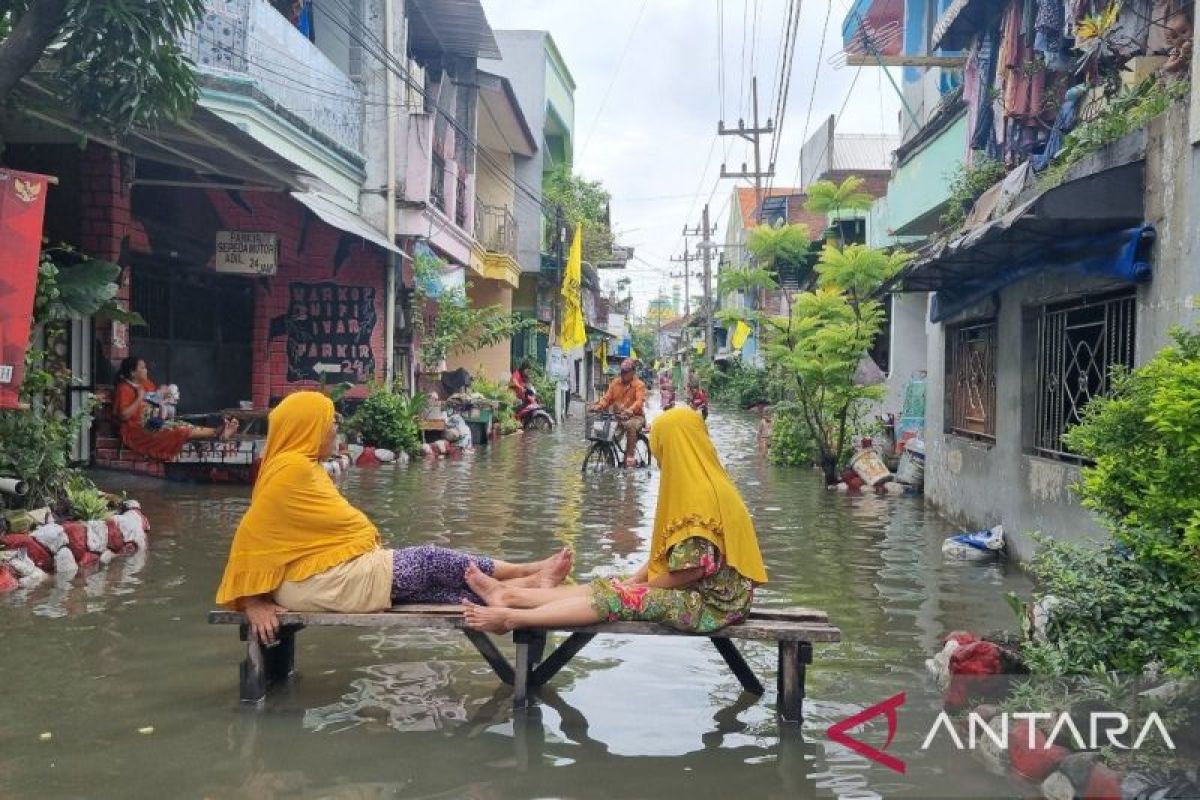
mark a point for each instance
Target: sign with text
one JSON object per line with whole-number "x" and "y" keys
{"x": 247, "y": 253}
{"x": 22, "y": 210}
{"x": 329, "y": 329}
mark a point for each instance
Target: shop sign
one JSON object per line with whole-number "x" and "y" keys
{"x": 329, "y": 328}
{"x": 247, "y": 253}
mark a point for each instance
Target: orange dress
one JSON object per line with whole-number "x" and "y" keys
{"x": 163, "y": 444}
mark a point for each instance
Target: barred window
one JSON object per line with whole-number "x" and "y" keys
{"x": 971, "y": 380}
{"x": 1079, "y": 342}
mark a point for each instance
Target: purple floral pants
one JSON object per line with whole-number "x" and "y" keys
{"x": 431, "y": 574}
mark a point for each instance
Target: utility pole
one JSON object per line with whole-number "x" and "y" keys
{"x": 753, "y": 134}
{"x": 705, "y": 232}
{"x": 686, "y": 259}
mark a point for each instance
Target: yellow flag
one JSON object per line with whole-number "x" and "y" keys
{"x": 633, "y": 354}
{"x": 740, "y": 334}
{"x": 573, "y": 333}
{"x": 602, "y": 353}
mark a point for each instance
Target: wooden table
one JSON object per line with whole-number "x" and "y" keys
{"x": 795, "y": 631}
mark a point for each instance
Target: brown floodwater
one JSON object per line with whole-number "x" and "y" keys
{"x": 116, "y": 687}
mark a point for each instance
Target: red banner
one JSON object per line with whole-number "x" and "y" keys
{"x": 22, "y": 209}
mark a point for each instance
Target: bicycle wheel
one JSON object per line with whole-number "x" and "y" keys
{"x": 600, "y": 457}
{"x": 641, "y": 451}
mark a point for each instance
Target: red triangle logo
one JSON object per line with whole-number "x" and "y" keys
{"x": 839, "y": 732}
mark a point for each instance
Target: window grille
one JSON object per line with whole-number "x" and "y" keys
{"x": 1079, "y": 342}
{"x": 971, "y": 380}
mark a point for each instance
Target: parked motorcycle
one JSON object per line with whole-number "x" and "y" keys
{"x": 534, "y": 416}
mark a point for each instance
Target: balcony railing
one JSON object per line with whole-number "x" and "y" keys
{"x": 248, "y": 40}
{"x": 496, "y": 229}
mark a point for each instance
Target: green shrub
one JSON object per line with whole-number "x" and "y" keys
{"x": 738, "y": 385}
{"x": 504, "y": 400}
{"x": 966, "y": 185}
{"x": 389, "y": 419}
{"x": 792, "y": 443}
{"x": 1113, "y": 612}
{"x": 1144, "y": 441}
{"x": 87, "y": 502}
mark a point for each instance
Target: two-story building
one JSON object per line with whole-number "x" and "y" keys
{"x": 1018, "y": 315}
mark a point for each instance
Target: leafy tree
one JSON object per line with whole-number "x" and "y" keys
{"x": 831, "y": 199}
{"x": 117, "y": 61}
{"x": 390, "y": 419}
{"x": 583, "y": 202}
{"x": 453, "y": 325}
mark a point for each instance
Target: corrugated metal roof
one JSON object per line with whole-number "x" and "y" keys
{"x": 458, "y": 27}
{"x": 863, "y": 151}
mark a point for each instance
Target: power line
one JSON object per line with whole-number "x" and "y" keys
{"x": 620, "y": 62}
{"x": 812, "y": 98}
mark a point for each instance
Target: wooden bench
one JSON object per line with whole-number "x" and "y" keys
{"x": 794, "y": 630}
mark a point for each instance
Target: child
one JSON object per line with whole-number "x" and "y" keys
{"x": 704, "y": 558}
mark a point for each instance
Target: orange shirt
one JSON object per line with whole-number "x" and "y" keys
{"x": 628, "y": 397}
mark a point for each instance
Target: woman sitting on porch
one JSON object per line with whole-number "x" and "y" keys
{"x": 302, "y": 546}
{"x": 704, "y": 558}
{"x": 132, "y": 410}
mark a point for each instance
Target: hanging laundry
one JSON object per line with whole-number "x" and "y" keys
{"x": 1062, "y": 124}
{"x": 1048, "y": 29}
{"x": 981, "y": 127}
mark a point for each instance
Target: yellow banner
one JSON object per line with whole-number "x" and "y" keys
{"x": 740, "y": 334}
{"x": 573, "y": 333}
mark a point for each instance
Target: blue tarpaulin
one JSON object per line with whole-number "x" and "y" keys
{"x": 1120, "y": 254}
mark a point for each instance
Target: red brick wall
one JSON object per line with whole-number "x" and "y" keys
{"x": 310, "y": 261}
{"x": 105, "y": 222}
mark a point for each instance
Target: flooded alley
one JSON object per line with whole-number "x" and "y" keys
{"x": 138, "y": 694}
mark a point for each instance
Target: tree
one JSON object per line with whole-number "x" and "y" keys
{"x": 117, "y": 61}
{"x": 827, "y": 197}
{"x": 819, "y": 347}
{"x": 583, "y": 202}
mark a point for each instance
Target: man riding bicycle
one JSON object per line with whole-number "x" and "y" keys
{"x": 626, "y": 396}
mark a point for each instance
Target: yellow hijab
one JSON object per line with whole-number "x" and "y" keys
{"x": 298, "y": 524}
{"x": 696, "y": 497}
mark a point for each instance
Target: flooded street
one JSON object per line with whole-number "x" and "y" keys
{"x": 97, "y": 663}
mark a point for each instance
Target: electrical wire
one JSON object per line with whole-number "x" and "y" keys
{"x": 812, "y": 98}
{"x": 617, "y": 71}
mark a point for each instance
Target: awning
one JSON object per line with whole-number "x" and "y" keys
{"x": 1121, "y": 255}
{"x": 961, "y": 21}
{"x": 333, "y": 214}
{"x": 1035, "y": 229}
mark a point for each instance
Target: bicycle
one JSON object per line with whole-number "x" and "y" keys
{"x": 608, "y": 445}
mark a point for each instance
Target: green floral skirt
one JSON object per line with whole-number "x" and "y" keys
{"x": 693, "y": 610}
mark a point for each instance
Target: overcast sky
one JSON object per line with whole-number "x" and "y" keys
{"x": 648, "y": 100}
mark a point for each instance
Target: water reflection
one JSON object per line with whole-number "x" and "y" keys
{"x": 418, "y": 714}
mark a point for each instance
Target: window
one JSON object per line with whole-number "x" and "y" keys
{"x": 1078, "y": 344}
{"x": 971, "y": 380}
{"x": 774, "y": 211}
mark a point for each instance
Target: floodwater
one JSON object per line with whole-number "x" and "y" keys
{"x": 116, "y": 687}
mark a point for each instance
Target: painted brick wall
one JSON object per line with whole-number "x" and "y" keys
{"x": 306, "y": 255}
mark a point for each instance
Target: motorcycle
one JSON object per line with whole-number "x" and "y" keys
{"x": 533, "y": 416}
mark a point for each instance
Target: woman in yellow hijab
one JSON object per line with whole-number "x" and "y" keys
{"x": 704, "y": 558}
{"x": 302, "y": 546}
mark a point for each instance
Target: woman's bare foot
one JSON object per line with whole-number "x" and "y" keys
{"x": 229, "y": 428}
{"x": 489, "y": 620}
{"x": 556, "y": 570}
{"x": 490, "y": 590}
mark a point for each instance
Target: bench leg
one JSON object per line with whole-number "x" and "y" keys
{"x": 491, "y": 654}
{"x": 559, "y": 658}
{"x": 252, "y": 673}
{"x": 530, "y": 647}
{"x": 740, "y": 668}
{"x": 794, "y": 657}
{"x": 281, "y": 659}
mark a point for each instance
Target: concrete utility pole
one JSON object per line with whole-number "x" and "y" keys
{"x": 686, "y": 259}
{"x": 753, "y": 134}
{"x": 705, "y": 232}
